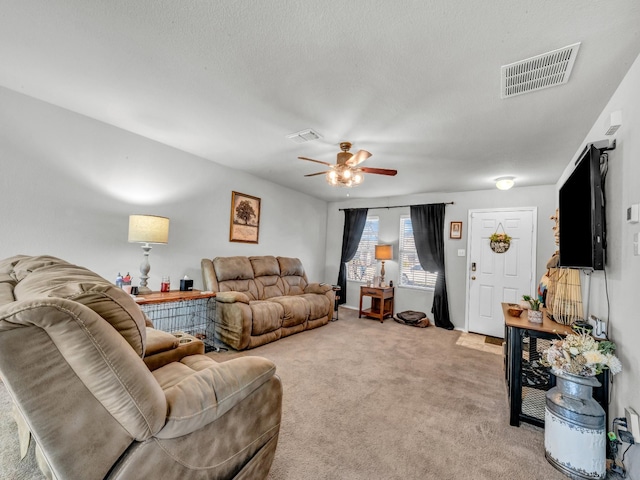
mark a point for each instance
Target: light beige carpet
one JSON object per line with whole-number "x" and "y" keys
{"x": 367, "y": 401}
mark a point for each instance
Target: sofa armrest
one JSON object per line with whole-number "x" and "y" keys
{"x": 164, "y": 348}
{"x": 159, "y": 341}
{"x": 199, "y": 390}
{"x": 209, "y": 279}
{"x": 232, "y": 297}
{"x": 319, "y": 288}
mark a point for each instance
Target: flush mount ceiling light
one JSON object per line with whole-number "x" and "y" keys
{"x": 505, "y": 183}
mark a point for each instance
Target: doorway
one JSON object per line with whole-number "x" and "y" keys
{"x": 493, "y": 277}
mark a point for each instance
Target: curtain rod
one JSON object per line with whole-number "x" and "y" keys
{"x": 396, "y": 206}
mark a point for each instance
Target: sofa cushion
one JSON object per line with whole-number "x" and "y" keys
{"x": 113, "y": 305}
{"x": 6, "y": 293}
{"x": 319, "y": 305}
{"x": 267, "y": 316}
{"x": 290, "y": 266}
{"x": 232, "y": 268}
{"x": 269, "y": 286}
{"x": 199, "y": 390}
{"x": 296, "y": 309}
{"x": 265, "y": 265}
{"x": 248, "y": 287}
{"x": 7, "y": 265}
{"x": 26, "y": 265}
{"x": 46, "y": 276}
{"x": 294, "y": 285}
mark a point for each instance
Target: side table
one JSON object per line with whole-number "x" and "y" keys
{"x": 381, "y": 302}
{"x": 523, "y": 372}
{"x": 191, "y": 312}
{"x": 336, "y": 289}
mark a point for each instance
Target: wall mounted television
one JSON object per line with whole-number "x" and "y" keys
{"x": 581, "y": 212}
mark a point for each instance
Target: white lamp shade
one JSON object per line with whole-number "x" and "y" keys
{"x": 148, "y": 229}
{"x": 384, "y": 252}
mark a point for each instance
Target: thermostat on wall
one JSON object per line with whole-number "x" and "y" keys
{"x": 632, "y": 214}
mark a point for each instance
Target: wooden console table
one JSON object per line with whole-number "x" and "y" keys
{"x": 522, "y": 369}
{"x": 381, "y": 302}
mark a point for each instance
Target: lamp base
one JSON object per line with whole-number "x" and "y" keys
{"x": 144, "y": 290}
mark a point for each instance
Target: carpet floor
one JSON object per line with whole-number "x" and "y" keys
{"x": 367, "y": 401}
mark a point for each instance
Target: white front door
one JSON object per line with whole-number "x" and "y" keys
{"x": 499, "y": 277}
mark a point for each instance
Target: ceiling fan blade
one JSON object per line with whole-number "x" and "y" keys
{"x": 379, "y": 171}
{"x": 317, "y": 161}
{"x": 358, "y": 158}
{"x": 318, "y": 173}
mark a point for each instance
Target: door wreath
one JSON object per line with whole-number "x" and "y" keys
{"x": 499, "y": 242}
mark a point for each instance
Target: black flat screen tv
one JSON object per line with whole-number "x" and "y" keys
{"x": 581, "y": 212}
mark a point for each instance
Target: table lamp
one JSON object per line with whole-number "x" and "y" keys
{"x": 147, "y": 229}
{"x": 383, "y": 252}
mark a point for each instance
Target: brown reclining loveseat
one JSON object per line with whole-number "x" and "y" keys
{"x": 71, "y": 357}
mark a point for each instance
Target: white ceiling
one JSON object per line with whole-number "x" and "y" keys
{"x": 417, "y": 83}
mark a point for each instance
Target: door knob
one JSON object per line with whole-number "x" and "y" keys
{"x": 473, "y": 278}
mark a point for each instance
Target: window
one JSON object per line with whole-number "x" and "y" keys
{"x": 363, "y": 265}
{"x": 411, "y": 273}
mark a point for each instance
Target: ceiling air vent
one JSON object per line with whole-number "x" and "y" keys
{"x": 304, "y": 136}
{"x": 535, "y": 73}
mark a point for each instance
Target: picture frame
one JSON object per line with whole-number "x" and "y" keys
{"x": 244, "y": 223}
{"x": 455, "y": 230}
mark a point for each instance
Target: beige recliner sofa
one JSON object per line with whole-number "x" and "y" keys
{"x": 263, "y": 298}
{"x": 71, "y": 357}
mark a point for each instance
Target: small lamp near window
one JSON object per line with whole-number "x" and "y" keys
{"x": 383, "y": 252}
{"x": 147, "y": 229}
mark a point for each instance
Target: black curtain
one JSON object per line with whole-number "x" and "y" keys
{"x": 428, "y": 232}
{"x": 354, "y": 222}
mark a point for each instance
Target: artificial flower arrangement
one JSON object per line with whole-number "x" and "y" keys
{"x": 580, "y": 354}
{"x": 499, "y": 242}
{"x": 500, "y": 237}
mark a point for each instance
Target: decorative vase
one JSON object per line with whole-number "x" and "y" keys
{"x": 534, "y": 316}
{"x": 525, "y": 305}
{"x": 574, "y": 428}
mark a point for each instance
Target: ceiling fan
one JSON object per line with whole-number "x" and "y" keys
{"x": 346, "y": 172}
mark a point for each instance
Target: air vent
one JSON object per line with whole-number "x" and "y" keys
{"x": 304, "y": 136}
{"x": 535, "y": 73}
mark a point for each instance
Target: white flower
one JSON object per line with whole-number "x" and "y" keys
{"x": 581, "y": 354}
{"x": 613, "y": 363}
{"x": 593, "y": 357}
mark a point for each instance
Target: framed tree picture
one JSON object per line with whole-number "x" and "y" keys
{"x": 455, "y": 230}
{"x": 245, "y": 218}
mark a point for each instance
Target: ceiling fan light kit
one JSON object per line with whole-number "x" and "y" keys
{"x": 346, "y": 172}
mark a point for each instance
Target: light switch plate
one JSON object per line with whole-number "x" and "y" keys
{"x": 461, "y": 252}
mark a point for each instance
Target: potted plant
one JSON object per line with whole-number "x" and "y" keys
{"x": 524, "y": 303}
{"x": 534, "y": 314}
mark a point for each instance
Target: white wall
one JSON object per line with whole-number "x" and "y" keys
{"x": 622, "y": 189}
{"x": 456, "y": 267}
{"x": 68, "y": 184}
